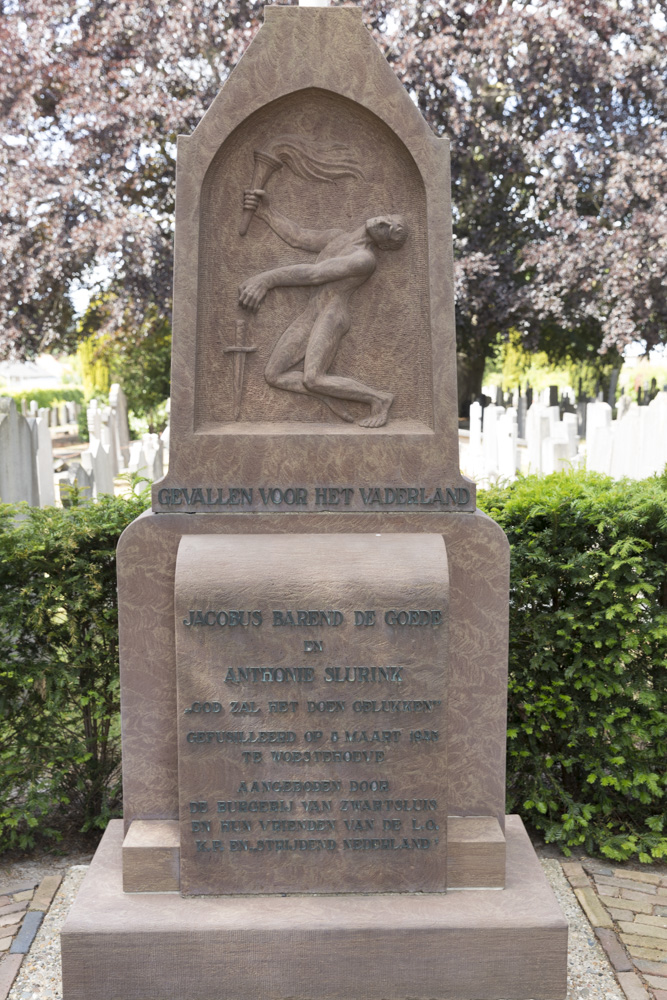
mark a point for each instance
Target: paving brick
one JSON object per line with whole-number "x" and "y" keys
{"x": 45, "y": 893}
{"x": 616, "y": 953}
{"x": 661, "y": 911}
{"x": 659, "y": 994}
{"x": 595, "y": 869}
{"x": 9, "y": 888}
{"x": 646, "y": 930}
{"x": 639, "y": 894}
{"x": 26, "y": 895}
{"x": 646, "y": 918}
{"x": 26, "y": 935}
{"x": 617, "y": 914}
{"x": 651, "y": 953}
{"x": 627, "y": 904}
{"x": 5, "y": 942}
{"x": 9, "y": 966}
{"x": 639, "y": 876}
{"x": 4, "y": 900}
{"x": 10, "y": 919}
{"x": 653, "y": 968}
{"x": 13, "y": 908}
{"x": 660, "y": 982}
{"x": 645, "y": 941}
{"x": 608, "y": 890}
{"x": 593, "y": 909}
{"x": 575, "y": 875}
{"x": 624, "y": 883}
{"x": 11, "y": 929}
{"x": 632, "y": 986}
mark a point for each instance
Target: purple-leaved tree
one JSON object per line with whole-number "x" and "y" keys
{"x": 557, "y": 112}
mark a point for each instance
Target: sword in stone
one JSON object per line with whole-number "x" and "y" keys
{"x": 239, "y": 351}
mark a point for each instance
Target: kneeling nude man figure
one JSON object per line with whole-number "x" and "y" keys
{"x": 345, "y": 261}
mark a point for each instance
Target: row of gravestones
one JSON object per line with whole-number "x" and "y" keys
{"x": 55, "y": 416}
{"x": 634, "y": 445}
{"x": 26, "y": 452}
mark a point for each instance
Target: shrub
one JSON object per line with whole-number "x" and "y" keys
{"x": 46, "y": 397}
{"x": 587, "y": 733}
{"x": 59, "y": 686}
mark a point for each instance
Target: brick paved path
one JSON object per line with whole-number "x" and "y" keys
{"x": 628, "y": 910}
{"x": 22, "y": 908}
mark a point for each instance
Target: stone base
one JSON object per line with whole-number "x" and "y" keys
{"x": 484, "y": 944}
{"x": 475, "y": 854}
{"x": 151, "y": 856}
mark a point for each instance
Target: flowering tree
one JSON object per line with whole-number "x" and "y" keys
{"x": 557, "y": 111}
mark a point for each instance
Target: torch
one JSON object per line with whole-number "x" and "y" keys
{"x": 265, "y": 166}
{"x": 306, "y": 159}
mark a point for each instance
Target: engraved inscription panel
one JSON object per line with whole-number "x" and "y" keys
{"x": 311, "y": 701}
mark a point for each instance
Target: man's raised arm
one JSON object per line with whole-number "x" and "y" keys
{"x": 291, "y": 232}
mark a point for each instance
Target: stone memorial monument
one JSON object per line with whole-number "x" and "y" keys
{"x": 313, "y": 616}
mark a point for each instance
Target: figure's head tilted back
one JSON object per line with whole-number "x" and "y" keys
{"x": 388, "y": 232}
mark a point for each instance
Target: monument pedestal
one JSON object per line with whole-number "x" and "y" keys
{"x": 463, "y": 945}
{"x": 314, "y": 617}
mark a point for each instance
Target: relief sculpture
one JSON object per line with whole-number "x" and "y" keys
{"x": 345, "y": 260}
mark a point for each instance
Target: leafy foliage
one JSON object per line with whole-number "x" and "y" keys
{"x": 95, "y": 373}
{"x": 557, "y": 114}
{"x": 59, "y": 685}
{"x": 512, "y": 367}
{"x": 45, "y": 397}
{"x": 587, "y": 736}
{"x": 138, "y": 358}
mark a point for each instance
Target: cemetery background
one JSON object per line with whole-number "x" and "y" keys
{"x": 573, "y": 788}
{"x": 641, "y": 780}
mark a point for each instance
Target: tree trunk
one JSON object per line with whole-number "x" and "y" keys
{"x": 469, "y": 374}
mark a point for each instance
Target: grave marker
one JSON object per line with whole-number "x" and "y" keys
{"x": 313, "y": 617}
{"x": 18, "y": 467}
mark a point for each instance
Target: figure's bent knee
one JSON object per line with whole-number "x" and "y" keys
{"x": 312, "y": 381}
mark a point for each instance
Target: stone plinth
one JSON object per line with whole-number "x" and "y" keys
{"x": 478, "y": 561}
{"x": 484, "y": 944}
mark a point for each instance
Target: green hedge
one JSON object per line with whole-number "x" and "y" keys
{"x": 45, "y": 397}
{"x": 588, "y": 663}
{"x": 587, "y": 736}
{"x": 59, "y": 688}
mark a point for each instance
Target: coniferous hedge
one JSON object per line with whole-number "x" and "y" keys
{"x": 59, "y": 687}
{"x": 46, "y": 397}
{"x": 587, "y": 726}
{"x": 587, "y": 734}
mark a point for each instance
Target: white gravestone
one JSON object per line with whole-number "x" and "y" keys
{"x": 75, "y": 475}
{"x": 146, "y": 457}
{"x": 598, "y": 437}
{"x": 94, "y": 420}
{"x": 97, "y": 462}
{"x": 490, "y": 441}
{"x": 474, "y": 460}
{"x": 508, "y": 448}
{"x": 18, "y": 467}
{"x": 119, "y": 425}
{"x": 538, "y": 428}
{"x": 44, "y": 457}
